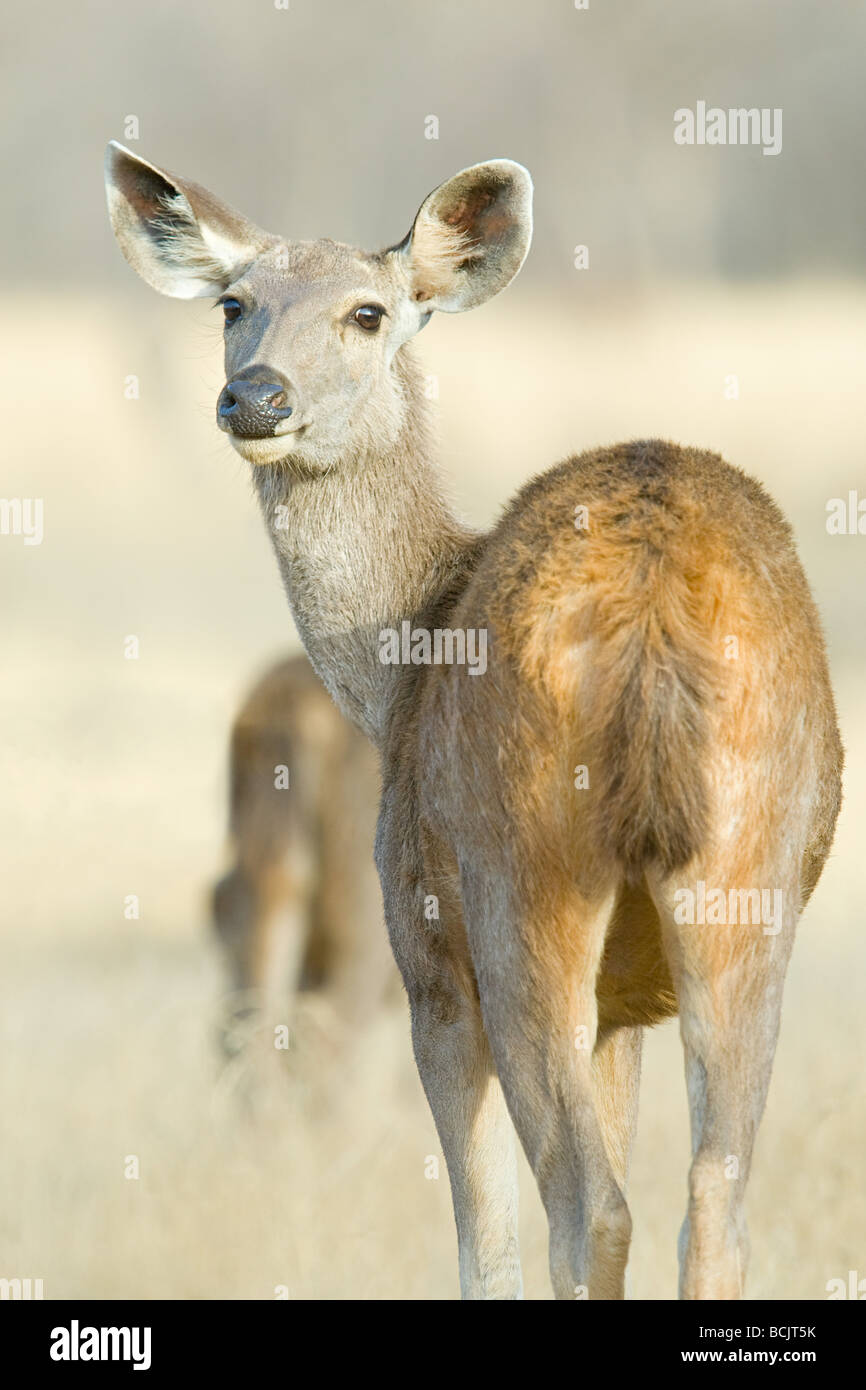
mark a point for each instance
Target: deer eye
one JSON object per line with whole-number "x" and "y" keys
{"x": 231, "y": 309}
{"x": 369, "y": 316}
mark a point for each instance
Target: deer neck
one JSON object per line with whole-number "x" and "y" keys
{"x": 363, "y": 547}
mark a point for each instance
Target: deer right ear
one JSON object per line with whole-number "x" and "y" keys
{"x": 470, "y": 237}
{"x": 181, "y": 239}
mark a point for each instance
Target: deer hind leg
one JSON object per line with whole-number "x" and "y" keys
{"x": 537, "y": 972}
{"x": 616, "y": 1064}
{"x": 616, "y": 1061}
{"x": 729, "y": 979}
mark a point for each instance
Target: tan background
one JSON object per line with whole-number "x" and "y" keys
{"x": 703, "y": 263}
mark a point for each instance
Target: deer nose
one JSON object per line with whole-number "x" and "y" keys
{"x": 251, "y": 406}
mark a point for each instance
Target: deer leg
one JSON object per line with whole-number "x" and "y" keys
{"x": 616, "y": 1075}
{"x": 616, "y": 1063}
{"x": 729, "y": 980}
{"x": 537, "y": 971}
{"x": 361, "y": 966}
{"x": 261, "y": 916}
{"x": 233, "y": 913}
{"x": 476, "y": 1134}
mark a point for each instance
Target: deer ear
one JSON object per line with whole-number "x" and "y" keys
{"x": 181, "y": 239}
{"x": 470, "y": 237}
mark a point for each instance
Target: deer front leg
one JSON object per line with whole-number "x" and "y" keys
{"x": 425, "y": 926}
{"x": 476, "y": 1134}
{"x": 261, "y": 916}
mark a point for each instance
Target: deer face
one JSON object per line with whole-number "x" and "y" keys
{"x": 311, "y": 331}
{"x": 312, "y": 328}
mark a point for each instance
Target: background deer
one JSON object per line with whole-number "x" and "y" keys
{"x": 300, "y": 908}
{"x": 534, "y": 911}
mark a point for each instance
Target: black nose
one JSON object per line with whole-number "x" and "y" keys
{"x": 252, "y": 405}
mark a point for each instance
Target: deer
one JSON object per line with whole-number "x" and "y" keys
{"x": 543, "y": 821}
{"x": 300, "y": 909}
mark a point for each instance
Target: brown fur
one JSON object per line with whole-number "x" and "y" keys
{"x": 300, "y": 908}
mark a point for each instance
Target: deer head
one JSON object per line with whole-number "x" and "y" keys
{"x": 312, "y": 328}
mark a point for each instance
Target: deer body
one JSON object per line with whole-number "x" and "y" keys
{"x": 640, "y": 728}
{"x": 300, "y": 907}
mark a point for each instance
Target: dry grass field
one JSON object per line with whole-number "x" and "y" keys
{"x": 113, "y": 784}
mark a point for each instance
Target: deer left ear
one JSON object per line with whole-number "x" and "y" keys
{"x": 470, "y": 236}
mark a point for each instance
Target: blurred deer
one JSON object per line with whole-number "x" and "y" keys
{"x": 301, "y": 908}
{"x": 651, "y": 726}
